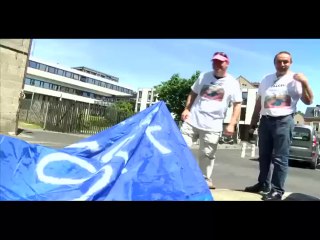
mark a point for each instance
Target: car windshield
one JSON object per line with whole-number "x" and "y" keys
{"x": 301, "y": 134}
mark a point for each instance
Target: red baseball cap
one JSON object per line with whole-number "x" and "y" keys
{"x": 221, "y": 56}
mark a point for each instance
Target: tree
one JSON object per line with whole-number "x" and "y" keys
{"x": 175, "y": 91}
{"x": 299, "y": 112}
{"x": 125, "y": 107}
{"x": 118, "y": 112}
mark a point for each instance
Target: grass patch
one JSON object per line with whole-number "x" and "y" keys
{"x": 25, "y": 125}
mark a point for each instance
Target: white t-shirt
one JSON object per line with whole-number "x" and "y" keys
{"x": 211, "y": 104}
{"x": 279, "y": 97}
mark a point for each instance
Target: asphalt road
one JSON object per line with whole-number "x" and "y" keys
{"x": 50, "y": 139}
{"x": 233, "y": 172}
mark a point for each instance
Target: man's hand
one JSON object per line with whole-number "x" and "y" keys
{"x": 185, "y": 114}
{"x": 307, "y": 94}
{"x": 229, "y": 130}
{"x": 300, "y": 77}
{"x": 252, "y": 129}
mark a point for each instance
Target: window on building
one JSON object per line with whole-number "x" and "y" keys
{"x": 56, "y": 87}
{"x": 42, "y": 67}
{"x": 27, "y": 81}
{"x": 60, "y": 72}
{"x": 64, "y": 89}
{"x": 245, "y": 98}
{"x": 140, "y": 94}
{"x": 46, "y": 85}
{"x": 243, "y": 114}
{"x": 78, "y": 92}
{"x": 71, "y": 90}
{"x": 28, "y": 96}
{"x": 33, "y": 64}
{"x": 76, "y": 76}
{"x": 37, "y": 83}
{"x": 138, "y": 107}
{"x": 149, "y": 96}
{"x": 68, "y": 74}
{"x": 90, "y": 80}
{"x": 51, "y": 69}
{"x": 83, "y": 79}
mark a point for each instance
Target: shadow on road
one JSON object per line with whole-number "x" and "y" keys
{"x": 20, "y": 130}
{"x": 294, "y": 164}
{"x": 300, "y": 197}
{"x": 290, "y": 197}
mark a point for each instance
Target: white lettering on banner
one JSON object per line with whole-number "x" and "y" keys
{"x": 93, "y": 146}
{"x": 56, "y": 157}
{"x": 148, "y": 119}
{"x": 124, "y": 155}
{"x": 101, "y": 183}
{"x": 157, "y": 145}
{"x": 109, "y": 155}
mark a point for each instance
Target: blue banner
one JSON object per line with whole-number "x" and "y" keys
{"x": 143, "y": 158}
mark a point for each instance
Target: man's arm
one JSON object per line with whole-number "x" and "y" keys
{"x": 307, "y": 95}
{"x": 190, "y": 99}
{"x": 234, "y": 119}
{"x": 256, "y": 114}
{"x": 235, "y": 113}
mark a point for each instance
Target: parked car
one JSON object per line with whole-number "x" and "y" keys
{"x": 305, "y": 145}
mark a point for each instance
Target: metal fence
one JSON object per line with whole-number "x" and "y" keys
{"x": 70, "y": 116}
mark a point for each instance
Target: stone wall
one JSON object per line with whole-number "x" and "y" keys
{"x": 13, "y": 59}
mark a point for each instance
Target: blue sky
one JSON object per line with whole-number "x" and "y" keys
{"x": 145, "y": 63}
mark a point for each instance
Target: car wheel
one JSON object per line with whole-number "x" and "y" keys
{"x": 314, "y": 164}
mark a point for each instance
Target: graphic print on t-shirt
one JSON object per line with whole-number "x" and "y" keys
{"x": 212, "y": 92}
{"x": 277, "y": 101}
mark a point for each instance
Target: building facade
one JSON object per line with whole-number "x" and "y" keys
{"x": 45, "y": 80}
{"x": 298, "y": 118}
{"x": 249, "y": 95}
{"x": 145, "y": 98}
{"x": 312, "y": 117}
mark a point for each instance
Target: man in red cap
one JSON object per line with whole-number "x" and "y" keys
{"x": 205, "y": 111}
